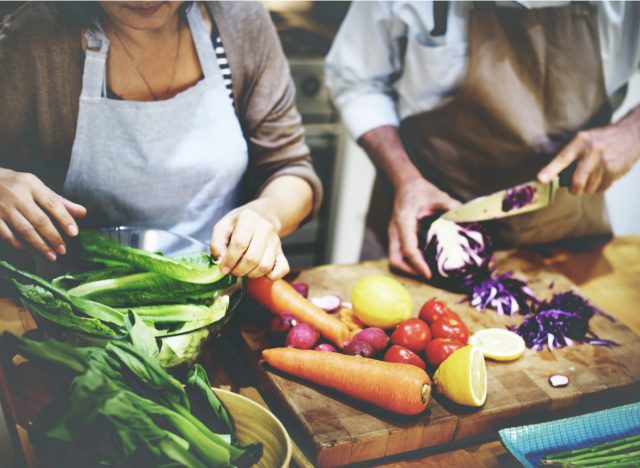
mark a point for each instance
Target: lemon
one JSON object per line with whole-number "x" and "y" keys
{"x": 381, "y": 301}
{"x": 498, "y": 344}
{"x": 462, "y": 377}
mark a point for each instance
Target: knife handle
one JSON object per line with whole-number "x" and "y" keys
{"x": 566, "y": 175}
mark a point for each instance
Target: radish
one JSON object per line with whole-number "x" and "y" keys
{"x": 376, "y": 337}
{"x": 328, "y": 303}
{"x": 302, "y": 288}
{"x": 326, "y": 347}
{"x": 359, "y": 348}
{"x": 302, "y": 336}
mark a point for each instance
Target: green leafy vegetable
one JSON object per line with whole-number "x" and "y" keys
{"x": 195, "y": 268}
{"x": 120, "y": 408}
{"x": 200, "y": 393}
{"x": 147, "y": 288}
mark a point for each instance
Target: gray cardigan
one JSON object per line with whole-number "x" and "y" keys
{"x": 41, "y": 63}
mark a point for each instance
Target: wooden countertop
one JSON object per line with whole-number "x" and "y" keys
{"x": 607, "y": 273}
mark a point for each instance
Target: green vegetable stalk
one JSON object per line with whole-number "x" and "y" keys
{"x": 617, "y": 453}
{"x": 120, "y": 408}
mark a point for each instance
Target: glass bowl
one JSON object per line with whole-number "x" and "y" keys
{"x": 176, "y": 351}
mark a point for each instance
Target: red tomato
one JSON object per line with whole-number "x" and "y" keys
{"x": 453, "y": 328}
{"x": 404, "y": 356}
{"x": 434, "y": 309}
{"x": 413, "y": 334}
{"x": 439, "y": 349}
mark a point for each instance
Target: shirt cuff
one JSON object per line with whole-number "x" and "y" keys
{"x": 366, "y": 112}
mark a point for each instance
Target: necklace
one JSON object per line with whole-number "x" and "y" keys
{"x": 137, "y": 66}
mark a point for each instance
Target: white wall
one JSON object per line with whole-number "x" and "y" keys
{"x": 354, "y": 188}
{"x": 623, "y": 198}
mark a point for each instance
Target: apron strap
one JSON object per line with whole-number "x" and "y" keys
{"x": 440, "y": 18}
{"x": 203, "y": 43}
{"x": 94, "y": 82}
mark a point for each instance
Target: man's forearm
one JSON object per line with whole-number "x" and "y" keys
{"x": 385, "y": 148}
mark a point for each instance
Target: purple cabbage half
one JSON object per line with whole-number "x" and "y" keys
{"x": 456, "y": 254}
{"x": 503, "y": 293}
{"x": 560, "y": 322}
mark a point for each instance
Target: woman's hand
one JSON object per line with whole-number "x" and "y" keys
{"x": 247, "y": 241}
{"x": 604, "y": 154}
{"x": 30, "y": 211}
{"x": 413, "y": 200}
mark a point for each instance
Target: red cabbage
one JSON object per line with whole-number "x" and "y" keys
{"x": 517, "y": 197}
{"x": 502, "y": 293}
{"x": 560, "y": 322}
{"x": 456, "y": 253}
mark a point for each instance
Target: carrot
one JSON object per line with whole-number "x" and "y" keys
{"x": 400, "y": 388}
{"x": 346, "y": 316}
{"x": 280, "y": 297}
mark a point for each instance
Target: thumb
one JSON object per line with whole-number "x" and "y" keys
{"x": 221, "y": 234}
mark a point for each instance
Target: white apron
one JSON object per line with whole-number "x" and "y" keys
{"x": 175, "y": 164}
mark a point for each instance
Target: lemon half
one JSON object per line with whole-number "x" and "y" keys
{"x": 498, "y": 344}
{"x": 462, "y": 377}
{"x": 381, "y": 301}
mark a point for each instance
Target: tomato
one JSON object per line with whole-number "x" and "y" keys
{"x": 434, "y": 309}
{"x": 453, "y": 328}
{"x": 439, "y": 349}
{"x": 403, "y": 355}
{"x": 413, "y": 334}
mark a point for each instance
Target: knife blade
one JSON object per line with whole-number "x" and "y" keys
{"x": 497, "y": 205}
{"x": 500, "y": 204}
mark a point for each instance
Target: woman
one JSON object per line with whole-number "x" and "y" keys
{"x": 163, "y": 114}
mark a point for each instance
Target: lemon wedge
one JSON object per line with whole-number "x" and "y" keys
{"x": 381, "y": 301}
{"x": 462, "y": 377}
{"x": 498, "y": 344}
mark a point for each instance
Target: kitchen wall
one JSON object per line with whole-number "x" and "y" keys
{"x": 357, "y": 173}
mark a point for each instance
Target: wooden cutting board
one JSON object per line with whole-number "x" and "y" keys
{"x": 339, "y": 430}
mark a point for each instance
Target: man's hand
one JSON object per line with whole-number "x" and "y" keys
{"x": 413, "y": 200}
{"x": 30, "y": 214}
{"x": 603, "y": 155}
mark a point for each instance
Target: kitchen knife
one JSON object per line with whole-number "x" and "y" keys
{"x": 522, "y": 198}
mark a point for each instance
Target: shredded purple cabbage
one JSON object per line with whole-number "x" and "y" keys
{"x": 502, "y": 293}
{"x": 517, "y": 197}
{"x": 560, "y": 322}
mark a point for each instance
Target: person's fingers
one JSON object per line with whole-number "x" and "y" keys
{"x": 254, "y": 255}
{"x": 268, "y": 261}
{"x": 281, "y": 267}
{"x": 54, "y": 205}
{"x": 396, "y": 259}
{"x": 594, "y": 183}
{"x": 7, "y": 236}
{"x": 585, "y": 167}
{"x": 50, "y": 204}
{"x": 221, "y": 235}
{"x": 27, "y": 233}
{"x": 563, "y": 159}
{"x": 239, "y": 242}
{"x": 408, "y": 233}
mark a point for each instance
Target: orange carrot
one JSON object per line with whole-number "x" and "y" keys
{"x": 346, "y": 316}
{"x": 401, "y": 388}
{"x": 280, "y": 297}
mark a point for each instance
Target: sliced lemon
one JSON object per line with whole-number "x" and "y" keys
{"x": 462, "y": 377}
{"x": 498, "y": 344}
{"x": 381, "y": 301}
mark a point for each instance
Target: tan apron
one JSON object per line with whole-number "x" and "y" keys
{"x": 534, "y": 79}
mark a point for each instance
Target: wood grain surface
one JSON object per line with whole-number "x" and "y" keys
{"x": 341, "y": 430}
{"x": 608, "y": 273}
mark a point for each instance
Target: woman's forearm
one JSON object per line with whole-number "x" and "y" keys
{"x": 290, "y": 199}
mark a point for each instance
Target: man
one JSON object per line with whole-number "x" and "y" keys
{"x": 453, "y": 100}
